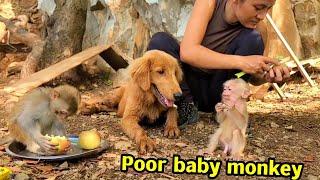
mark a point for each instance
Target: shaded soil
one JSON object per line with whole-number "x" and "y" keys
{"x": 287, "y": 131}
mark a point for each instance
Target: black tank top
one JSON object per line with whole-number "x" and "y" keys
{"x": 220, "y": 33}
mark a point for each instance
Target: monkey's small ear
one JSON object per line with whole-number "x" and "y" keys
{"x": 246, "y": 94}
{"x": 55, "y": 94}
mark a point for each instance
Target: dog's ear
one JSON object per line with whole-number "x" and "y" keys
{"x": 140, "y": 72}
{"x": 179, "y": 73}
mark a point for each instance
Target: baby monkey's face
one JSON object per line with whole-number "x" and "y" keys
{"x": 233, "y": 91}
{"x": 229, "y": 94}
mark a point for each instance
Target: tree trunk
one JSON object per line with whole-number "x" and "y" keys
{"x": 65, "y": 30}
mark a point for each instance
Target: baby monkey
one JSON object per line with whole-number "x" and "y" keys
{"x": 232, "y": 116}
{"x": 41, "y": 112}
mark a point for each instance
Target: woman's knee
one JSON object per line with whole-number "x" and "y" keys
{"x": 165, "y": 42}
{"x": 250, "y": 42}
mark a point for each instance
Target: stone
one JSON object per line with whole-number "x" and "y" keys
{"x": 130, "y": 24}
{"x": 21, "y": 176}
{"x": 307, "y": 15}
{"x": 47, "y": 6}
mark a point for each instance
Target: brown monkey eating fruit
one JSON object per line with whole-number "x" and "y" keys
{"x": 41, "y": 112}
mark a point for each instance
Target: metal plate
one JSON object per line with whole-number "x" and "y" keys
{"x": 18, "y": 150}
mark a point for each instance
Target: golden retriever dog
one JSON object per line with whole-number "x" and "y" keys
{"x": 151, "y": 90}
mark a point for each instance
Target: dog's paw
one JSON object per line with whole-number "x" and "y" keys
{"x": 171, "y": 131}
{"x": 146, "y": 145}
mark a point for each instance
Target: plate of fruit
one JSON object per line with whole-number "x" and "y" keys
{"x": 88, "y": 143}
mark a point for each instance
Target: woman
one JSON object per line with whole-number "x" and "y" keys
{"x": 220, "y": 40}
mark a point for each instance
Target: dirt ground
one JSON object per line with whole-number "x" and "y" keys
{"x": 288, "y": 131}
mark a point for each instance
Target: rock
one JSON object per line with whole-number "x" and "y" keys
{"x": 21, "y": 176}
{"x": 307, "y": 15}
{"x": 129, "y": 24}
{"x": 286, "y": 137}
{"x": 47, "y": 6}
{"x": 64, "y": 165}
{"x": 289, "y": 127}
{"x": 112, "y": 113}
{"x": 274, "y": 125}
{"x": 120, "y": 77}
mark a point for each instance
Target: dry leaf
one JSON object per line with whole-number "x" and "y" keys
{"x": 15, "y": 169}
{"x": 47, "y": 168}
{"x": 274, "y": 125}
{"x": 31, "y": 161}
{"x": 122, "y": 145}
{"x": 111, "y": 155}
{"x": 309, "y": 158}
{"x": 181, "y": 145}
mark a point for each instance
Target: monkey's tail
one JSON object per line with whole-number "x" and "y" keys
{"x": 6, "y": 139}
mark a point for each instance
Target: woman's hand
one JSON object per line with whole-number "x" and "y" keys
{"x": 256, "y": 64}
{"x": 278, "y": 73}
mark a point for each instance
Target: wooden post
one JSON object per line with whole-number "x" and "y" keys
{"x": 295, "y": 58}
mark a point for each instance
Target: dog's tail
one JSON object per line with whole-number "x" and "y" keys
{"x": 108, "y": 102}
{"x": 113, "y": 97}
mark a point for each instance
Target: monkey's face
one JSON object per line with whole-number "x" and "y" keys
{"x": 60, "y": 108}
{"x": 231, "y": 93}
{"x": 235, "y": 91}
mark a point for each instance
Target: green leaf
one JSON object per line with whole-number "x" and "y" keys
{"x": 240, "y": 74}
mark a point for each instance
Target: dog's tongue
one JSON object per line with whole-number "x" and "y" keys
{"x": 168, "y": 103}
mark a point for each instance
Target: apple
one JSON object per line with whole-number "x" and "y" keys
{"x": 89, "y": 139}
{"x": 61, "y": 142}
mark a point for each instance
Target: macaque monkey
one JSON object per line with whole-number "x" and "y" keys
{"x": 232, "y": 116}
{"x": 41, "y": 112}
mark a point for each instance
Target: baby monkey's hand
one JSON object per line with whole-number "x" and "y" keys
{"x": 221, "y": 107}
